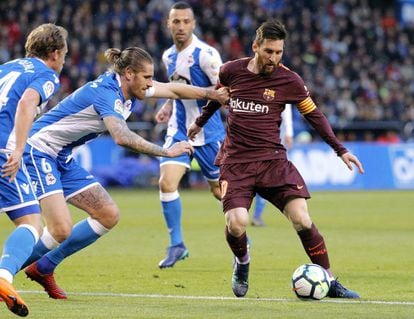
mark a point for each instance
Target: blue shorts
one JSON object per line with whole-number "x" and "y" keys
{"x": 17, "y": 199}
{"x": 204, "y": 156}
{"x": 51, "y": 176}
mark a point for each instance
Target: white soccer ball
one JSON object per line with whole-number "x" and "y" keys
{"x": 310, "y": 281}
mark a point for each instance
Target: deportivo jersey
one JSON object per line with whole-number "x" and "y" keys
{"x": 15, "y": 77}
{"x": 198, "y": 65}
{"x": 79, "y": 117}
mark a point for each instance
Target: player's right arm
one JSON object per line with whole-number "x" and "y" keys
{"x": 25, "y": 114}
{"x": 207, "y": 111}
{"x": 123, "y": 136}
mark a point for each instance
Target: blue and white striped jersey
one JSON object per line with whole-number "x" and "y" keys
{"x": 15, "y": 77}
{"x": 198, "y": 65}
{"x": 79, "y": 117}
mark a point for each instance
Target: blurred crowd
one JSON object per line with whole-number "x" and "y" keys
{"x": 355, "y": 56}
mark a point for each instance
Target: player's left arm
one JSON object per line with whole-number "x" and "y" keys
{"x": 321, "y": 124}
{"x": 25, "y": 114}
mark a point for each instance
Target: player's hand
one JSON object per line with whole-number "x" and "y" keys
{"x": 349, "y": 158}
{"x": 12, "y": 165}
{"x": 179, "y": 148}
{"x": 192, "y": 131}
{"x": 221, "y": 95}
{"x": 164, "y": 113}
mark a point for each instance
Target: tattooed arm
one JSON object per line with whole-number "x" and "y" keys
{"x": 123, "y": 136}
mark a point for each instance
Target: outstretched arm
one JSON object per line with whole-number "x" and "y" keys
{"x": 183, "y": 91}
{"x": 123, "y": 136}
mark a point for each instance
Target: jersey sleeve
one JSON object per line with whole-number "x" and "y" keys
{"x": 108, "y": 103}
{"x": 210, "y": 62}
{"x": 46, "y": 84}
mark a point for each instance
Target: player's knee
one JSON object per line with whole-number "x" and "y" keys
{"x": 301, "y": 221}
{"x": 60, "y": 231}
{"x": 237, "y": 222}
{"x": 166, "y": 186}
{"x": 108, "y": 216}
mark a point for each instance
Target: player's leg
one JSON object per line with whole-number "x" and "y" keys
{"x": 45, "y": 174}
{"x": 236, "y": 237}
{"x": 259, "y": 207}
{"x": 104, "y": 215}
{"x": 314, "y": 244}
{"x": 18, "y": 200}
{"x": 205, "y": 156}
{"x": 171, "y": 174}
{"x": 57, "y": 217}
{"x": 237, "y": 183}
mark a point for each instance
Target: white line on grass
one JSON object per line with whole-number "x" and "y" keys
{"x": 110, "y": 294}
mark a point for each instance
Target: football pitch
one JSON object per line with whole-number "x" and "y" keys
{"x": 370, "y": 237}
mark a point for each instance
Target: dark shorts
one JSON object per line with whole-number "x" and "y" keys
{"x": 278, "y": 181}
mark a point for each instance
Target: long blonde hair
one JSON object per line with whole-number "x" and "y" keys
{"x": 132, "y": 57}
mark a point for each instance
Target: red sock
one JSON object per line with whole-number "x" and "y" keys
{"x": 238, "y": 245}
{"x": 314, "y": 246}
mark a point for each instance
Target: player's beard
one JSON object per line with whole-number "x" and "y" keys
{"x": 267, "y": 69}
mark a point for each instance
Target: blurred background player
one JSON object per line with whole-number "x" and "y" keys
{"x": 286, "y": 135}
{"x": 25, "y": 85}
{"x": 103, "y": 104}
{"x": 251, "y": 162}
{"x": 194, "y": 62}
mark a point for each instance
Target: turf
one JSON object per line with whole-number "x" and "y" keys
{"x": 369, "y": 235}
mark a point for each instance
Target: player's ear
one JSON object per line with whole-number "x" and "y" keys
{"x": 255, "y": 47}
{"x": 128, "y": 73}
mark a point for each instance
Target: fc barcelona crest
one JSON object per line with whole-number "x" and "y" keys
{"x": 269, "y": 94}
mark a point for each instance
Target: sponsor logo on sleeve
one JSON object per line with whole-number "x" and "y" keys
{"x": 48, "y": 88}
{"x": 50, "y": 179}
{"x": 119, "y": 106}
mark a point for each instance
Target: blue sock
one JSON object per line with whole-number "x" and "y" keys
{"x": 259, "y": 207}
{"x": 17, "y": 249}
{"x": 38, "y": 251}
{"x": 82, "y": 236}
{"x": 172, "y": 216}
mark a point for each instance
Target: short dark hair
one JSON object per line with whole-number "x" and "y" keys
{"x": 273, "y": 29}
{"x": 181, "y": 5}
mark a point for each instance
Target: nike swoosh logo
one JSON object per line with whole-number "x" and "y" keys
{"x": 314, "y": 247}
{"x": 299, "y": 187}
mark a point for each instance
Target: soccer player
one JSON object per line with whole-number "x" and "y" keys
{"x": 26, "y": 84}
{"x": 286, "y": 136}
{"x": 103, "y": 104}
{"x": 194, "y": 62}
{"x": 253, "y": 160}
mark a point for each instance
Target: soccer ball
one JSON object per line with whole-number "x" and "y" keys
{"x": 310, "y": 281}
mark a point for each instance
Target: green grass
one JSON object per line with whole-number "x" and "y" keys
{"x": 369, "y": 235}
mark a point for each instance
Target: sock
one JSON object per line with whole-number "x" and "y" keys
{"x": 18, "y": 247}
{"x": 314, "y": 246}
{"x": 238, "y": 246}
{"x": 259, "y": 207}
{"x": 171, "y": 208}
{"x": 42, "y": 247}
{"x": 83, "y": 234}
